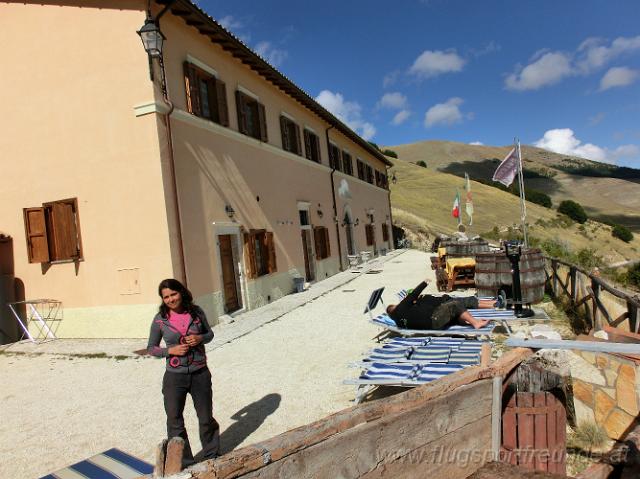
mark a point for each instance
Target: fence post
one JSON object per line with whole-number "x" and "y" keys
{"x": 632, "y": 309}
{"x": 595, "y": 287}
{"x": 554, "y": 273}
{"x": 574, "y": 287}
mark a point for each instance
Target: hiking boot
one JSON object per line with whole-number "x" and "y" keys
{"x": 501, "y": 300}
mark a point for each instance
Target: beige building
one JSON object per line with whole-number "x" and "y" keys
{"x": 236, "y": 181}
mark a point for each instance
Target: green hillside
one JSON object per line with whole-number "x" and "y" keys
{"x": 422, "y": 200}
{"x": 607, "y": 192}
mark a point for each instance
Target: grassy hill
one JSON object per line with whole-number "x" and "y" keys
{"x": 422, "y": 199}
{"x": 608, "y": 193}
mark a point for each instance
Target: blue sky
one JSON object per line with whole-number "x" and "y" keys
{"x": 564, "y": 75}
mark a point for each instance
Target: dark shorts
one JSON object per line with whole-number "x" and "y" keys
{"x": 449, "y": 313}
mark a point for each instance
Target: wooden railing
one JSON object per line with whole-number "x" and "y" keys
{"x": 599, "y": 299}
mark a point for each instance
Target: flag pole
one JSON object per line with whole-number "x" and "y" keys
{"x": 523, "y": 206}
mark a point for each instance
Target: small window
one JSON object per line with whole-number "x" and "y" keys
{"x": 290, "y": 135}
{"x": 259, "y": 253}
{"x": 369, "y": 174}
{"x": 304, "y": 217}
{"x": 252, "y": 119}
{"x": 361, "y": 170}
{"x": 53, "y": 232}
{"x": 347, "y": 164}
{"x": 321, "y": 240}
{"x": 206, "y": 95}
{"x": 312, "y": 146}
{"x": 334, "y": 157}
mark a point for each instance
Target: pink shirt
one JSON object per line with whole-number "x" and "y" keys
{"x": 180, "y": 321}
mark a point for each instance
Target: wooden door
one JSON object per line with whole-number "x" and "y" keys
{"x": 229, "y": 284}
{"x": 309, "y": 270}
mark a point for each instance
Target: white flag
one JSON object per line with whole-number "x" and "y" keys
{"x": 507, "y": 170}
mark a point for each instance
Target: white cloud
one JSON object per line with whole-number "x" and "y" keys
{"x": 617, "y": 77}
{"x": 597, "y": 118}
{"x": 594, "y": 53}
{"x": 476, "y": 143}
{"x": 273, "y": 55}
{"x": 401, "y": 117}
{"x": 447, "y": 113}
{"x": 229, "y": 22}
{"x": 490, "y": 47}
{"x": 346, "y": 111}
{"x": 563, "y": 141}
{"x": 390, "y": 78}
{"x": 433, "y": 63}
{"x": 548, "y": 69}
{"x": 393, "y": 101}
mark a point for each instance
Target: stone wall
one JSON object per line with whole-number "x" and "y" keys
{"x": 606, "y": 390}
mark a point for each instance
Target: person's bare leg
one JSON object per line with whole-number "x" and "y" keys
{"x": 486, "y": 303}
{"x": 476, "y": 323}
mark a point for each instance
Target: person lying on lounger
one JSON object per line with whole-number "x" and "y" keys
{"x": 438, "y": 312}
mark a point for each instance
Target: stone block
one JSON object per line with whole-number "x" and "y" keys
{"x": 601, "y": 361}
{"x": 614, "y": 364}
{"x": 611, "y": 377}
{"x": 589, "y": 357}
{"x": 617, "y": 423}
{"x": 603, "y": 406}
{"x": 626, "y": 389}
{"x": 583, "y": 391}
{"x": 584, "y": 413}
{"x": 585, "y": 371}
{"x": 611, "y": 392}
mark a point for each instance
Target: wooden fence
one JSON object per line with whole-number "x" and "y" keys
{"x": 602, "y": 304}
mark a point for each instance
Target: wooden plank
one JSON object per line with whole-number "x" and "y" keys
{"x": 173, "y": 462}
{"x": 561, "y": 435}
{"x": 525, "y": 431}
{"x": 598, "y": 347}
{"x": 432, "y": 437}
{"x": 485, "y": 354}
{"x": 540, "y": 438}
{"x": 496, "y": 418}
{"x": 244, "y": 460}
{"x": 161, "y": 451}
{"x": 509, "y": 431}
{"x": 598, "y": 304}
{"x": 552, "y": 432}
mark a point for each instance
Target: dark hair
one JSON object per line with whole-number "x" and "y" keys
{"x": 187, "y": 297}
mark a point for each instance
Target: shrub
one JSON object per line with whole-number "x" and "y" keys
{"x": 622, "y": 233}
{"x": 573, "y": 210}
{"x": 538, "y": 198}
{"x": 390, "y": 153}
{"x": 633, "y": 275}
{"x": 421, "y": 163}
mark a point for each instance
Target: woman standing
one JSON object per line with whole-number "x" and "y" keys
{"x": 184, "y": 328}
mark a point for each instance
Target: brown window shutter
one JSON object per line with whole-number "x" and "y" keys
{"x": 249, "y": 256}
{"x": 36, "y": 234}
{"x": 262, "y": 116}
{"x": 317, "y": 143}
{"x": 317, "y": 239}
{"x": 242, "y": 117}
{"x": 61, "y": 223}
{"x": 286, "y": 142}
{"x": 271, "y": 248}
{"x": 298, "y": 140}
{"x": 307, "y": 145}
{"x": 221, "y": 102}
{"x": 326, "y": 243}
{"x": 191, "y": 87}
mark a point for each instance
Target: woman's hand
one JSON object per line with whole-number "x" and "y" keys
{"x": 193, "y": 340}
{"x": 178, "y": 350}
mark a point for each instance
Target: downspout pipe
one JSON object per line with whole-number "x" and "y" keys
{"x": 393, "y": 243}
{"x": 333, "y": 196}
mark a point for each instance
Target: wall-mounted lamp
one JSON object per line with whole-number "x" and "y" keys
{"x": 320, "y": 213}
{"x": 230, "y": 211}
{"x": 152, "y": 40}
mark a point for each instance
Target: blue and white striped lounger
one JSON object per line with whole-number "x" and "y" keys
{"x": 448, "y": 351}
{"x": 111, "y": 464}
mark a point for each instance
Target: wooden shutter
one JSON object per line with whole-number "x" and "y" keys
{"x": 369, "y": 233}
{"x": 298, "y": 140}
{"x": 271, "y": 249}
{"x": 191, "y": 87}
{"x": 317, "y": 147}
{"x": 36, "y": 234}
{"x": 326, "y": 242}
{"x": 221, "y": 103}
{"x": 250, "y": 256}
{"x": 317, "y": 239}
{"x": 61, "y": 225}
{"x": 242, "y": 117}
{"x": 286, "y": 141}
{"x": 262, "y": 117}
{"x": 307, "y": 145}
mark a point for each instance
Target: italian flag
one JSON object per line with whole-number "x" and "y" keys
{"x": 455, "y": 212}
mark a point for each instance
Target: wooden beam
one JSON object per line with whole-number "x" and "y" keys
{"x": 161, "y": 454}
{"x": 594, "y": 346}
{"x": 598, "y": 304}
{"x": 496, "y": 417}
{"x": 173, "y": 462}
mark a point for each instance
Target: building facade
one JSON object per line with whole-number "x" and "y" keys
{"x": 219, "y": 172}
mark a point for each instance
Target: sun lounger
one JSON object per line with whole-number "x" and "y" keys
{"x": 388, "y": 324}
{"x": 111, "y": 464}
{"x": 427, "y": 350}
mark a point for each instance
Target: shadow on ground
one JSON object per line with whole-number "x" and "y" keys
{"x": 248, "y": 419}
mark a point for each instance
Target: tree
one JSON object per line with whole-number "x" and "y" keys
{"x": 538, "y": 197}
{"x": 620, "y": 232}
{"x": 573, "y": 210}
{"x": 390, "y": 153}
{"x": 421, "y": 163}
{"x": 374, "y": 145}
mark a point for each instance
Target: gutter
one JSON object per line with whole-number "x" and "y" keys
{"x": 333, "y": 196}
{"x": 393, "y": 243}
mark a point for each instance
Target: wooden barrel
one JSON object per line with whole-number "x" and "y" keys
{"x": 493, "y": 272}
{"x": 466, "y": 249}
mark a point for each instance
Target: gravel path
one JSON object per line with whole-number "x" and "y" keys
{"x": 58, "y": 408}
